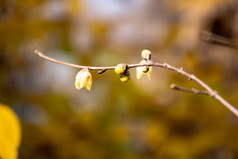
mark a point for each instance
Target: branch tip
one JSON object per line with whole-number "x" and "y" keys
{"x": 36, "y": 52}
{"x": 172, "y": 86}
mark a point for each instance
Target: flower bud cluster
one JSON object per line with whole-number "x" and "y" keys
{"x": 122, "y": 70}
{"x": 84, "y": 77}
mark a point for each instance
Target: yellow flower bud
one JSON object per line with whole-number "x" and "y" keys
{"x": 145, "y": 69}
{"x": 120, "y": 68}
{"x": 124, "y": 78}
{"x": 146, "y": 54}
{"x": 83, "y": 79}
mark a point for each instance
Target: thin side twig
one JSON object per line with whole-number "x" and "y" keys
{"x": 193, "y": 90}
{"x": 214, "y": 38}
{"x": 180, "y": 71}
{"x": 210, "y": 91}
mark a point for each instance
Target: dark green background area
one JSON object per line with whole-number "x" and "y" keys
{"x": 141, "y": 119}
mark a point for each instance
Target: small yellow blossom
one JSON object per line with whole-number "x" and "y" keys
{"x": 140, "y": 71}
{"x": 146, "y": 54}
{"x": 83, "y": 79}
{"x": 120, "y": 68}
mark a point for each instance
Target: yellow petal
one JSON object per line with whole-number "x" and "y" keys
{"x": 83, "y": 79}
{"x": 139, "y": 72}
{"x": 78, "y": 83}
{"x": 149, "y": 72}
{"x": 88, "y": 82}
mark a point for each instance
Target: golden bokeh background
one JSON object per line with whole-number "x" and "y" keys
{"x": 141, "y": 119}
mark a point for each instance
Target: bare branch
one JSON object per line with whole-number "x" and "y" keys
{"x": 180, "y": 71}
{"x": 213, "y": 38}
{"x": 195, "y": 91}
{"x": 88, "y": 67}
{"x": 70, "y": 64}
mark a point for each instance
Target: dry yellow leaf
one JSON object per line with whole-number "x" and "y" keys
{"x": 10, "y": 133}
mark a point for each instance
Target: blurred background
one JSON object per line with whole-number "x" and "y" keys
{"x": 140, "y": 119}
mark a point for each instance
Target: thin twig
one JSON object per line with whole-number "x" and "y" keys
{"x": 72, "y": 65}
{"x": 214, "y": 38}
{"x": 180, "y": 71}
{"x": 193, "y": 90}
{"x": 83, "y": 67}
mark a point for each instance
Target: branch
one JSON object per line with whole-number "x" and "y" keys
{"x": 180, "y": 71}
{"x": 195, "y": 91}
{"x": 104, "y": 68}
{"x": 72, "y": 65}
{"x": 213, "y": 38}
